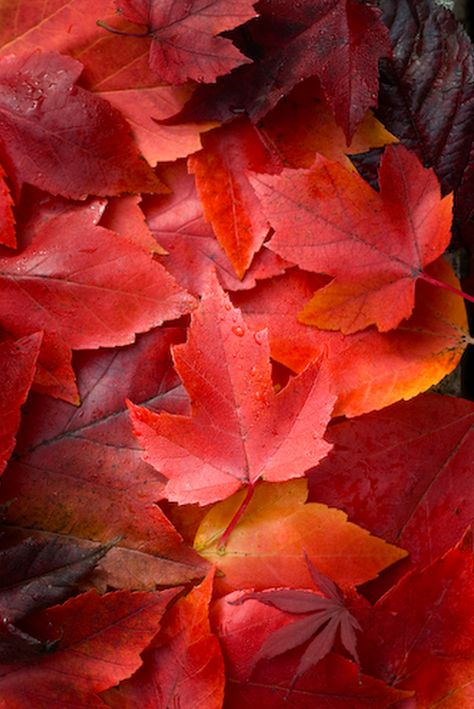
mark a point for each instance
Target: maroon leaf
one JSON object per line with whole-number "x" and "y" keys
{"x": 340, "y": 41}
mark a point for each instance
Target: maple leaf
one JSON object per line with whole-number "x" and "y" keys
{"x": 91, "y": 655}
{"x": 240, "y": 430}
{"x": 183, "y": 665}
{"x": 324, "y": 616}
{"x": 184, "y": 37}
{"x": 276, "y": 525}
{"x": 424, "y": 449}
{"x": 370, "y": 369}
{"x": 424, "y": 622}
{"x": 78, "y": 474}
{"x": 67, "y": 288}
{"x": 339, "y": 41}
{"x": 334, "y": 681}
{"x": 375, "y": 245}
{"x": 178, "y": 224}
{"x": 17, "y": 364}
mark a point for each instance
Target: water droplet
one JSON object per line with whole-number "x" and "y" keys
{"x": 253, "y": 371}
{"x": 258, "y": 337}
{"x": 237, "y": 330}
{"x": 259, "y": 395}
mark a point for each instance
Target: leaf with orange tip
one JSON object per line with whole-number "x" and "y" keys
{"x": 422, "y": 448}
{"x": 302, "y": 124}
{"x": 240, "y": 430}
{"x": 266, "y": 548}
{"x": 375, "y": 245}
{"x": 88, "y": 656}
{"x": 183, "y": 666}
{"x": 17, "y": 365}
{"x": 370, "y": 369}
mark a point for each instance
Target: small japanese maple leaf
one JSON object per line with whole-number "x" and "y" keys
{"x": 374, "y": 244}
{"x": 240, "y": 430}
{"x": 324, "y": 617}
{"x": 185, "y": 44}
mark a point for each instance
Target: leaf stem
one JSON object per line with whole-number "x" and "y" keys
{"x": 235, "y": 519}
{"x": 434, "y": 282}
{"x": 107, "y": 27}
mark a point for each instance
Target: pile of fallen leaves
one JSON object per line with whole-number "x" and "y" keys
{"x": 223, "y": 298}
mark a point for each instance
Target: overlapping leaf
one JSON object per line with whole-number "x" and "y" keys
{"x": 184, "y": 41}
{"x": 61, "y": 138}
{"x": 77, "y": 471}
{"x": 426, "y": 92}
{"x": 91, "y": 290}
{"x": 91, "y": 655}
{"x": 423, "y": 449}
{"x": 418, "y": 354}
{"x": 229, "y": 202}
{"x": 240, "y": 430}
{"x": 276, "y": 526}
{"x": 325, "y": 615}
{"x": 340, "y": 41}
{"x": 405, "y": 642}
{"x": 335, "y": 681}
{"x": 116, "y": 69}
{"x": 34, "y": 575}
{"x": 183, "y": 666}
{"x": 375, "y": 245}
{"x": 177, "y": 221}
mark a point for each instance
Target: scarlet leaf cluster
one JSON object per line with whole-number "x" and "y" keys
{"x": 224, "y": 296}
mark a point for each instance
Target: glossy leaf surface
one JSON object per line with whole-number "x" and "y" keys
{"x": 240, "y": 430}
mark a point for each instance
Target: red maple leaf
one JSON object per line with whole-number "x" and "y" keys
{"x": 376, "y": 245}
{"x": 240, "y": 430}
{"x": 184, "y": 37}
